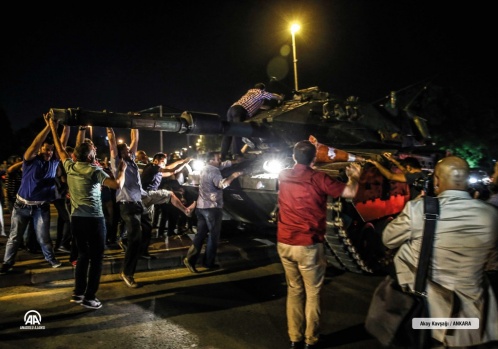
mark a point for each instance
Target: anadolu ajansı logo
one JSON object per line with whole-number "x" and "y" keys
{"x": 32, "y": 321}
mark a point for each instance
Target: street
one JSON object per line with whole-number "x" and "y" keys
{"x": 240, "y": 306}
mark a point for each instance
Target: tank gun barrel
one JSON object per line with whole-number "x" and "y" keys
{"x": 192, "y": 123}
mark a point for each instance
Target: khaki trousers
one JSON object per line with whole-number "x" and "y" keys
{"x": 305, "y": 268}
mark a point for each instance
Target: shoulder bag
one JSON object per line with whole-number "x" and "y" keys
{"x": 389, "y": 317}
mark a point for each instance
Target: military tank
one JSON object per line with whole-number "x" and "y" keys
{"x": 361, "y": 130}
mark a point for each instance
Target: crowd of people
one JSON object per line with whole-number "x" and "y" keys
{"x": 108, "y": 197}
{"x": 128, "y": 195}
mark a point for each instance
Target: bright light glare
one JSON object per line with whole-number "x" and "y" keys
{"x": 295, "y": 28}
{"x": 473, "y": 180}
{"x": 273, "y": 166}
{"x": 197, "y": 165}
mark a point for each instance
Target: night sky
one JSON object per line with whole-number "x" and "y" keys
{"x": 203, "y": 55}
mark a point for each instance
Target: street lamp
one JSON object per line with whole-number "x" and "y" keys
{"x": 294, "y": 28}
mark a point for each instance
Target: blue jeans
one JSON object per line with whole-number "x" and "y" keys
{"x": 21, "y": 216}
{"x": 89, "y": 234}
{"x": 208, "y": 221}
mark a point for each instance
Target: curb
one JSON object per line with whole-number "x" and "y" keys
{"x": 30, "y": 270}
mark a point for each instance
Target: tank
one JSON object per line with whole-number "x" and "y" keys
{"x": 343, "y": 129}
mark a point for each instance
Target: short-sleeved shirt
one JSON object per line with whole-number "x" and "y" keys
{"x": 302, "y": 201}
{"x": 132, "y": 187}
{"x": 85, "y": 180}
{"x": 211, "y": 186}
{"x": 151, "y": 177}
{"x": 38, "y": 179}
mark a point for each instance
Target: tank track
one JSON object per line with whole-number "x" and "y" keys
{"x": 341, "y": 252}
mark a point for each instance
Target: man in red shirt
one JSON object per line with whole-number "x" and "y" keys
{"x": 300, "y": 237}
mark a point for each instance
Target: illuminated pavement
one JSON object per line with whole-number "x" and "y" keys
{"x": 239, "y": 306}
{"x": 234, "y": 245}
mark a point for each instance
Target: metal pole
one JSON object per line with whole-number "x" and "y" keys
{"x": 295, "y": 60}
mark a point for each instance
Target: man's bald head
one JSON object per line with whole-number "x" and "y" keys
{"x": 451, "y": 173}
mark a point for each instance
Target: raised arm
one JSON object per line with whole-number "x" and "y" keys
{"x": 176, "y": 166}
{"x": 14, "y": 167}
{"x": 134, "y": 140}
{"x": 353, "y": 171}
{"x": 120, "y": 177}
{"x": 398, "y": 177}
{"x": 80, "y": 137}
{"x": 389, "y": 157}
{"x": 63, "y": 155}
{"x": 35, "y": 146}
{"x": 113, "y": 147}
{"x": 65, "y": 135}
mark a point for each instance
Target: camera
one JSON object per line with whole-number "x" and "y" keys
{"x": 425, "y": 183}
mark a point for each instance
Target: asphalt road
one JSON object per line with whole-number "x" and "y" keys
{"x": 241, "y": 306}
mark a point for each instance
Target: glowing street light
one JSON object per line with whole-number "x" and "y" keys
{"x": 294, "y": 29}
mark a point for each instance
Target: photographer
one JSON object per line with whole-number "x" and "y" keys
{"x": 411, "y": 174}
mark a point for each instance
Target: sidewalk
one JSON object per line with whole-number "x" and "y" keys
{"x": 236, "y": 246}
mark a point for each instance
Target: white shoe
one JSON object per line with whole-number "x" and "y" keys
{"x": 91, "y": 304}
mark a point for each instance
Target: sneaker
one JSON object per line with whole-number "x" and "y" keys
{"x": 189, "y": 266}
{"x": 5, "y": 268}
{"x": 129, "y": 280}
{"x": 63, "y": 249}
{"x": 148, "y": 256}
{"x": 55, "y": 263}
{"x": 76, "y": 298}
{"x": 91, "y": 303}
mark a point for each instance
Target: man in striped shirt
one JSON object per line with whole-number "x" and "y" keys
{"x": 246, "y": 107}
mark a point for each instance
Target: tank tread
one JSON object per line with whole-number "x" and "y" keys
{"x": 339, "y": 245}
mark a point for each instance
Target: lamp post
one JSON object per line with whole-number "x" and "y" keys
{"x": 294, "y": 28}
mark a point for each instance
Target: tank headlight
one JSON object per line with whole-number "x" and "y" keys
{"x": 273, "y": 166}
{"x": 197, "y": 165}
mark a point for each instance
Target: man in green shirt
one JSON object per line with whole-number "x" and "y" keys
{"x": 87, "y": 218}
